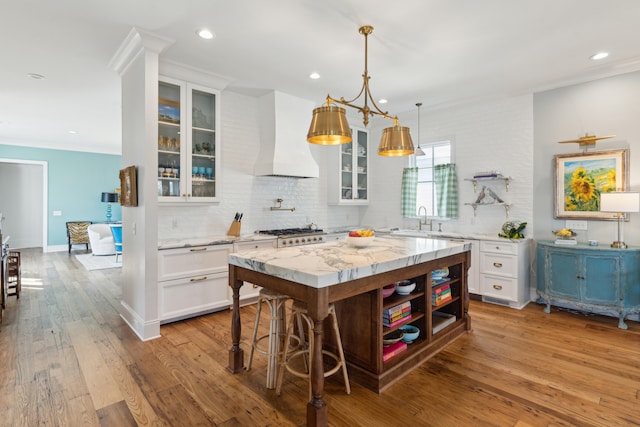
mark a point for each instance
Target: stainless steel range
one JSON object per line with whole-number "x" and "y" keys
{"x": 296, "y": 236}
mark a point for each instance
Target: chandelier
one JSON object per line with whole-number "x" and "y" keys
{"x": 329, "y": 124}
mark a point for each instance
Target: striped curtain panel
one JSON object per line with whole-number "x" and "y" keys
{"x": 446, "y": 190}
{"x": 409, "y": 192}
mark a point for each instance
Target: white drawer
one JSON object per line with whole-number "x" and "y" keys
{"x": 196, "y": 261}
{"x": 499, "y": 287}
{"x": 501, "y": 265}
{"x": 258, "y": 244}
{"x": 499, "y": 247}
{"x": 184, "y": 297}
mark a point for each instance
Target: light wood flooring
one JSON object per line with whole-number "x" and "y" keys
{"x": 67, "y": 359}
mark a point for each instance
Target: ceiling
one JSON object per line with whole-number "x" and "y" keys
{"x": 432, "y": 51}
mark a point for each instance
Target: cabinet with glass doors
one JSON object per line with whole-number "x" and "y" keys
{"x": 188, "y": 147}
{"x": 349, "y": 180}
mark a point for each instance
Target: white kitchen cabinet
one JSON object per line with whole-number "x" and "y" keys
{"x": 249, "y": 291}
{"x": 193, "y": 281}
{"x": 188, "y": 142}
{"x": 504, "y": 272}
{"x": 348, "y": 182}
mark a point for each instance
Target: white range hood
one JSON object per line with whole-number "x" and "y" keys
{"x": 284, "y": 151}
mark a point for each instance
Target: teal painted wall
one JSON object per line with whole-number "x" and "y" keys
{"x": 76, "y": 182}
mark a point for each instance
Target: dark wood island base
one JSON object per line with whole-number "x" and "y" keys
{"x": 359, "y": 306}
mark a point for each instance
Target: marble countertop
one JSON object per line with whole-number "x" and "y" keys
{"x": 209, "y": 240}
{"x": 326, "y": 264}
{"x": 451, "y": 235}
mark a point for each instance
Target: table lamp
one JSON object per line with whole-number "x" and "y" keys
{"x": 109, "y": 198}
{"x": 620, "y": 203}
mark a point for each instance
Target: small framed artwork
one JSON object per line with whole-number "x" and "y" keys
{"x": 128, "y": 187}
{"x": 168, "y": 111}
{"x": 581, "y": 178}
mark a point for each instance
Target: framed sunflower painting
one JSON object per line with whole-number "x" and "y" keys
{"x": 581, "y": 178}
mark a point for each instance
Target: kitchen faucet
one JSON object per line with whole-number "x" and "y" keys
{"x": 426, "y": 221}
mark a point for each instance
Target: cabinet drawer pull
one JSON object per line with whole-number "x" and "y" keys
{"x": 497, "y": 264}
{"x": 198, "y": 249}
{"x": 198, "y": 279}
{"x": 497, "y": 287}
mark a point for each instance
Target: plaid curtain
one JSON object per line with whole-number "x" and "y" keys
{"x": 409, "y": 192}
{"x": 446, "y": 190}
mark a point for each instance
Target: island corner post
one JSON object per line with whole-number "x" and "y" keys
{"x": 317, "y": 300}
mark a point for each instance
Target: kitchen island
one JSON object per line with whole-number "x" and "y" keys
{"x": 353, "y": 279}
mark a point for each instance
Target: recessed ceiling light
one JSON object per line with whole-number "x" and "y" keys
{"x": 599, "y": 55}
{"x": 314, "y": 76}
{"x": 36, "y": 76}
{"x": 73, "y": 132}
{"x": 205, "y": 34}
{"x": 383, "y": 101}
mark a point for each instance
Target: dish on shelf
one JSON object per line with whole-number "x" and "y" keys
{"x": 388, "y": 290}
{"x": 393, "y": 337}
{"x": 410, "y": 333}
{"x": 405, "y": 287}
{"x": 439, "y": 274}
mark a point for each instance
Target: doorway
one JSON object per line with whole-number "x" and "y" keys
{"x": 23, "y": 206}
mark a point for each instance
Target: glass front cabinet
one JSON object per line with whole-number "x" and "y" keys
{"x": 349, "y": 183}
{"x": 188, "y": 147}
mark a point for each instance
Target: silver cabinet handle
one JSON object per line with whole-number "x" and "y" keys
{"x": 497, "y": 287}
{"x": 497, "y": 264}
{"x": 198, "y": 249}
{"x": 198, "y": 279}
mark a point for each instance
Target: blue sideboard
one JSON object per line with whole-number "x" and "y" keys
{"x": 597, "y": 279}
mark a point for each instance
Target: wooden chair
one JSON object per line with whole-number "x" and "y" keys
{"x": 14, "y": 280}
{"x": 77, "y": 233}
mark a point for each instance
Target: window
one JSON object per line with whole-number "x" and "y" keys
{"x": 435, "y": 153}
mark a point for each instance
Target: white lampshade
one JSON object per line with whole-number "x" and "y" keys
{"x": 620, "y": 202}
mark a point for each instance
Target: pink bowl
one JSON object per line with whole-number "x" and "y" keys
{"x": 388, "y": 290}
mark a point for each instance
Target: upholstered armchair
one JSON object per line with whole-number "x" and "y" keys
{"x": 77, "y": 233}
{"x": 101, "y": 239}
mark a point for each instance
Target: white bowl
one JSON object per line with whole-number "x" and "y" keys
{"x": 358, "y": 242}
{"x": 405, "y": 287}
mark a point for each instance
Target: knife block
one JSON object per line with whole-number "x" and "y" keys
{"x": 234, "y": 230}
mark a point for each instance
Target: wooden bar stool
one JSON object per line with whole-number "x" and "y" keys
{"x": 276, "y": 336}
{"x": 299, "y": 310}
{"x": 14, "y": 273}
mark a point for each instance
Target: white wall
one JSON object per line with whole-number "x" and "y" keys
{"x": 603, "y": 107}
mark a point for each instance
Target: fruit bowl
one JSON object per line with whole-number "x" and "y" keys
{"x": 359, "y": 238}
{"x": 565, "y": 233}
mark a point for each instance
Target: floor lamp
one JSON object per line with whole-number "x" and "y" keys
{"x": 109, "y": 198}
{"x": 620, "y": 203}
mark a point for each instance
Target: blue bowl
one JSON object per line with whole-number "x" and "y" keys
{"x": 411, "y": 333}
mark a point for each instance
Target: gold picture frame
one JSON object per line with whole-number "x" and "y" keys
{"x": 128, "y": 186}
{"x": 580, "y": 178}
